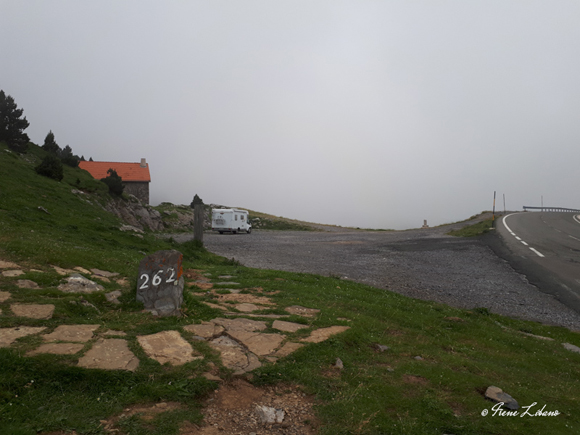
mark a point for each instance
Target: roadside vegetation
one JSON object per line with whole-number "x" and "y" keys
{"x": 473, "y": 230}
{"x": 429, "y": 380}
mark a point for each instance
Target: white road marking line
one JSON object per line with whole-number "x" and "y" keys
{"x": 538, "y": 253}
{"x": 575, "y": 218}
{"x": 575, "y": 238}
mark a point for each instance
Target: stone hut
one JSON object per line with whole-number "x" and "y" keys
{"x": 135, "y": 176}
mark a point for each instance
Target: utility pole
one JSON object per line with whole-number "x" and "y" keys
{"x": 493, "y": 213}
{"x": 504, "y": 212}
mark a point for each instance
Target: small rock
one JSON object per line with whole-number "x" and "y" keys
{"x": 8, "y": 265}
{"x": 497, "y": 395}
{"x": 339, "y": 365}
{"x": 113, "y": 297}
{"x": 77, "y": 283}
{"x": 42, "y": 209}
{"x": 571, "y": 347}
{"x": 270, "y": 415}
{"x": 382, "y": 347}
{"x": 12, "y": 273}
{"x": 419, "y": 358}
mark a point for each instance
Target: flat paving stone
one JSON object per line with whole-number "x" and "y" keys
{"x": 33, "y": 311}
{"x": 234, "y": 357}
{"x": 112, "y": 332}
{"x": 258, "y": 343}
{"x": 168, "y": 347}
{"x": 227, "y": 283}
{"x": 287, "y": 349}
{"x": 205, "y": 330}
{"x": 216, "y": 306}
{"x": 4, "y": 296}
{"x": 324, "y": 334}
{"x": 10, "y": 335}
{"x": 247, "y": 308}
{"x": 83, "y": 270}
{"x": 12, "y": 273}
{"x": 8, "y": 265}
{"x": 281, "y": 325}
{"x": 302, "y": 311}
{"x": 57, "y": 349}
{"x": 104, "y": 273}
{"x": 61, "y": 271}
{"x": 26, "y": 283}
{"x": 74, "y": 333}
{"x": 110, "y": 354}
{"x": 245, "y": 298}
{"x": 240, "y": 324}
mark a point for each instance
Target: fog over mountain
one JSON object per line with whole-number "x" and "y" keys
{"x": 356, "y": 113}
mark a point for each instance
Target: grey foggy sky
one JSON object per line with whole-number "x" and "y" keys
{"x": 358, "y": 113}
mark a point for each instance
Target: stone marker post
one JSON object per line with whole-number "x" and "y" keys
{"x": 198, "y": 217}
{"x": 160, "y": 283}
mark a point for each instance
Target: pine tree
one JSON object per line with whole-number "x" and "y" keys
{"x": 114, "y": 182}
{"x": 12, "y": 126}
{"x": 51, "y": 167}
{"x": 68, "y": 158}
{"x": 50, "y": 144}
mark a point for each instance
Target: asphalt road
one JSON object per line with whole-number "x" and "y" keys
{"x": 545, "y": 246}
{"x": 423, "y": 263}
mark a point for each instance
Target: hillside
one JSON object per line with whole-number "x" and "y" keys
{"x": 324, "y": 355}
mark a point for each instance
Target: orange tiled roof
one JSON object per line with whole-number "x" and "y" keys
{"x": 127, "y": 171}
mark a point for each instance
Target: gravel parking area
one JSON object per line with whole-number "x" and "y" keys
{"x": 424, "y": 264}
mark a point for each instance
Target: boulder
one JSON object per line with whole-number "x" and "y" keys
{"x": 496, "y": 394}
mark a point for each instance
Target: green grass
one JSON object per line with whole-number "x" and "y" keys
{"x": 473, "y": 230}
{"x": 387, "y": 392}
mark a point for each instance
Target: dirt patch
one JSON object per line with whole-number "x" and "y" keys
{"x": 233, "y": 410}
{"x": 417, "y": 380}
{"x": 147, "y": 413}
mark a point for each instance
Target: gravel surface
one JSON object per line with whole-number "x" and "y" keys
{"x": 423, "y": 263}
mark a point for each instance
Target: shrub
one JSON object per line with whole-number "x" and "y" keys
{"x": 114, "y": 182}
{"x": 51, "y": 167}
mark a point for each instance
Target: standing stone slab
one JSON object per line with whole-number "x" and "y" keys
{"x": 160, "y": 283}
{"x": 110, "y": 354}
{"x": 167, "y": 347}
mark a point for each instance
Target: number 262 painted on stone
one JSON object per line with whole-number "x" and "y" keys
{"x": 170, "y": 276}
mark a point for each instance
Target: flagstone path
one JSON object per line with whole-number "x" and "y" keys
{"x": 240, "y": 341}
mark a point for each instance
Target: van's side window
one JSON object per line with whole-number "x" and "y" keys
{"x": 236, "y": 217}
{"x": 242, "y": 217}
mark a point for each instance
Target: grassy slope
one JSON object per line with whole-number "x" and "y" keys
{"x": 377, "y": 392}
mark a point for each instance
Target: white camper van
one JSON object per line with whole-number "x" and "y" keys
{"x": 230, "y": 219}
